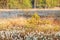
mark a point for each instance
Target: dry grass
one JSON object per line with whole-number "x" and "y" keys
{"x": 11, "y": 22}
{"x": 41, "y": 25}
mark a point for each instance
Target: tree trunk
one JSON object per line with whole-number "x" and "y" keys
{"x": 34, "y": 3}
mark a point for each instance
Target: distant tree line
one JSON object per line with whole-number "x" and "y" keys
{"x": 21, "y": 4}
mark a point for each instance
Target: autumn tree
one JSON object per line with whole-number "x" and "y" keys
{"x": 24, "y": 4}
{"x": 41, "y": 3}
{"x": 3, "y": 3}
{"x": 27, "y": 4}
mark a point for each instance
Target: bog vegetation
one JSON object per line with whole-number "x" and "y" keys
{"x": 30, "y": 24}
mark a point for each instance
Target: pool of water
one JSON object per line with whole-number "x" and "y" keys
{"x": 7, "y": 14}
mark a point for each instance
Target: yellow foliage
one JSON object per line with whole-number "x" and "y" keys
{"x": 56, "y": 28}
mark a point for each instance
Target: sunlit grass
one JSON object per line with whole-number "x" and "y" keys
{"x": 32, "y": 24}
